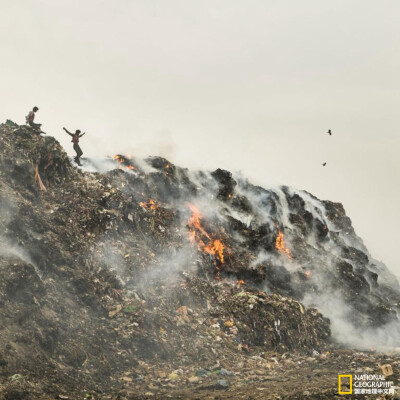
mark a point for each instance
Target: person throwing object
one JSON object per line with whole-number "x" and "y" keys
{"x": 75, "y": 140}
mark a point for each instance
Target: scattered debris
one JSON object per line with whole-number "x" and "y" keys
{"x": 140, "y": 293}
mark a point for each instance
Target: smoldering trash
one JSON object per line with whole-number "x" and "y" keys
{"x": 147, "y": 280}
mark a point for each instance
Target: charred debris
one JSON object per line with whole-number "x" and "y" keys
{"x": 152, "y": 267}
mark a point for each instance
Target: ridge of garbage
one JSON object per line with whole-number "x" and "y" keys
{"x": 150, "y": 271}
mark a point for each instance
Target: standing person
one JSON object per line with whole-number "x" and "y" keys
{"x": 31, "y": 117}
{"x": 75, "y": 140}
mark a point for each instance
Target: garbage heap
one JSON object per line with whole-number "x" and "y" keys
{"x": 152, "y": 265}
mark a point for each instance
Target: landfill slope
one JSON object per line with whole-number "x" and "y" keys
{"x": 150, "y": 279}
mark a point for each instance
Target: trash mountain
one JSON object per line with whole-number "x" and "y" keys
{"x": 147, "y": 266}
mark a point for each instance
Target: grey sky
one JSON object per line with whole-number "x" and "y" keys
{"x": 244, "y": 85}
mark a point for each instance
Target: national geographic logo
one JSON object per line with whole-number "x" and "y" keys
{"x": 367, "y": 383}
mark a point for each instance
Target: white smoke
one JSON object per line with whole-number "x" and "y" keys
{"x": 323, "y": 255}
{"x": 10, "y": 248}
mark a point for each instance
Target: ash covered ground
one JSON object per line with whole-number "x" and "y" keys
{"x": 150, "y": 281}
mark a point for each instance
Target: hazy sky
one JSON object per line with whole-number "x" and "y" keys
{"x": 244, "y": 85}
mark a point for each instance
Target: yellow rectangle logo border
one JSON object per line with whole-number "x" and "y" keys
{"x": 340, "y": 384}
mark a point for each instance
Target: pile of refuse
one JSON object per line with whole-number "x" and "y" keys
{"x": 152, "y": 267}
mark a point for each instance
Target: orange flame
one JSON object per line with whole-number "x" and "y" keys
{"x": 215, "y": 247}
{"x": 307, "y": 273}
{"x": 123, "y": 162}
{"x": 167, "y": 167}
{"x": 197, "y": 233}
{"x": 151, "y": 205}
{"x": 281, "y": 245}
{"x": 195, "y": 222}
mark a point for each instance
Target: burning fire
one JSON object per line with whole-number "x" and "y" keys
{"x": 195, "y": 223}
{"x": 215, "y": 247}
{"x": 151, "y": 205}
{"x": 197, "y": 234}
{"x": 307, "y": 273}
{"x": 280, "y": 244}
{"x": 123, "y": 162}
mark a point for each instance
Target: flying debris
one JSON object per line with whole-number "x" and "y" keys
{"x": 330, "y": 132}
{"x": 324, "y": 164}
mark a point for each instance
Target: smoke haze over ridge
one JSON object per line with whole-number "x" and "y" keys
{"x": 251, "y": 87}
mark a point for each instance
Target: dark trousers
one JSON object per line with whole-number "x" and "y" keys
{"x": 36, "y": 126}
{"x": 78, "y": 150}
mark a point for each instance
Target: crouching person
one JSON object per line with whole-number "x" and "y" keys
{"x": 30, "y": 118}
